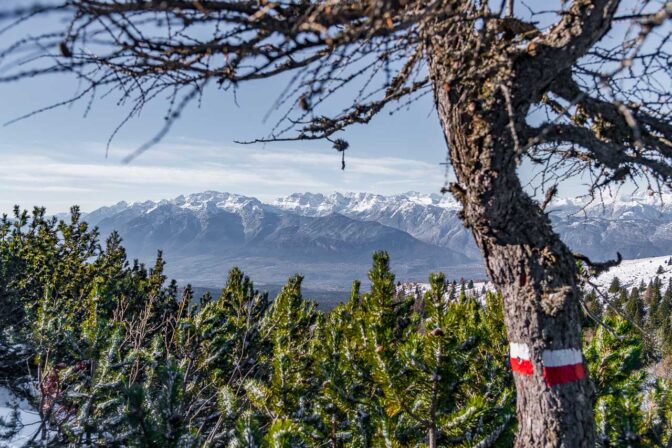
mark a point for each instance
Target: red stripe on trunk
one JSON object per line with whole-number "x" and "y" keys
{"x": 564, "y": 374}
{"x": 522, "y": 366}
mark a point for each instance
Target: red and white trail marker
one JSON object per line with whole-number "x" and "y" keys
{"x": 520, "y": 359}
{"x": 560, "y": 366}
{"x": 563, "y": 366}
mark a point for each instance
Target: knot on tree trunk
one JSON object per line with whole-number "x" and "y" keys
{"x": 554, "y": 302}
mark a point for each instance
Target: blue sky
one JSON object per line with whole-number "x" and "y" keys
{"x": 57, "y": 158}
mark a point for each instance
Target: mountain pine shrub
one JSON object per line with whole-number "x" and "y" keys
{"x": 111, "y": 353}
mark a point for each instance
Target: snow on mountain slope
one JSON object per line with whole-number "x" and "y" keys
{"x": 197, "y": 202}
{"x": 418, "y": 289}
{"x": 632, "y": 272}
{"x": 203, "y": 235}
{"x": 431, "y": 218}
{"x": 615, "y": 205}
{"x": 637, "y": 226}
{"x": 311, "y": 204}
{"x": 624, "y": 206}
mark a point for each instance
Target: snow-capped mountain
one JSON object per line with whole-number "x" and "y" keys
{"x": 205, "y": 234}
{"x": 639, "y": 226}
{"x": 316, "y": 204}
{"x": 431, "y": 218}
{"x": 636, "y": 227}
{"x": 330, "y": 237}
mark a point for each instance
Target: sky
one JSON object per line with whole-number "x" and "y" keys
{"x": 58, "y": 158}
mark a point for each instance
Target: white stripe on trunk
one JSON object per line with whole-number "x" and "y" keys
{"x": 564, "y": 357}
{"x": 520, "y": 351}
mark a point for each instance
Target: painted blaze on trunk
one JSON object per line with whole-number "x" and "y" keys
{"x": 525, "y": 259}
{"x": 536, "y": 274}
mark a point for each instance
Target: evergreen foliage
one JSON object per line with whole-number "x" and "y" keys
{"x": 631, "y": 410}
{"x": 111, "y": 353}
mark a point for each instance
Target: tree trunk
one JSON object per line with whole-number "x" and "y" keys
{"x": 524, "y": 258}
{"x": 432, "y": 438}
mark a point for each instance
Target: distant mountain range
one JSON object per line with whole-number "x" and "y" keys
{"x": 330, "y": 238}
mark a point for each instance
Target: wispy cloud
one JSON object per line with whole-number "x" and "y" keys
{"x": 47, "y": 176}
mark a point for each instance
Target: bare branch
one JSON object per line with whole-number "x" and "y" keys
{"x": 582, "y": 25}
{"x": 620, "y": 159}
{"x": 599, "y": 268}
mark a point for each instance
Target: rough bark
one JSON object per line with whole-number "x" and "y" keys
{"x": 524, "y": 258}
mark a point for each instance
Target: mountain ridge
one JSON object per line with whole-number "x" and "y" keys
{"x": 331, "y": 236}
{"x": 205, "y": 234}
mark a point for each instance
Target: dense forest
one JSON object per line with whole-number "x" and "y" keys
{"x": 111, "y": 353}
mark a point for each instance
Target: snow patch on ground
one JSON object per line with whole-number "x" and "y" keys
{"x": 418, "y": 289}
{"x": 28, "y": 417}
{"x": 632, "y": 272}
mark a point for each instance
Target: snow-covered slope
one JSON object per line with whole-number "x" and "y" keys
{"x": 28, "y": 418}
{"x": 311, "y": 204}
{"x": 632, "y": 272}
{"x": 639, "y": 226}
{"x": 622, "y": 206}
{"x": 418, "y": 289}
